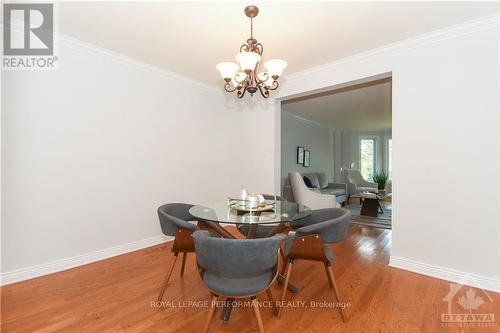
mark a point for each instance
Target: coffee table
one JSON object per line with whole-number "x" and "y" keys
{"x": 370, "y": 203}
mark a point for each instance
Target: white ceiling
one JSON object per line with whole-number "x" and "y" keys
{"x": 368, "y": 107}
{"x": 190, "y": 38}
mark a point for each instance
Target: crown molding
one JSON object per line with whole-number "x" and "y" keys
{"x": 461, "y": 29}
{"x": 79, "y": 45}
{"x": 309, "y": 121}
{"x": 483, "y": 23}
{"x": 119, "y": 57}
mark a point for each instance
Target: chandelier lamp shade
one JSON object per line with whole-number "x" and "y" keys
{"x": 246, "y": 76}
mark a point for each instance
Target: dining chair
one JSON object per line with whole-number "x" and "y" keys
{"x": 237, "y": 268}
{"x": 310, "y": 242}
{"x": 174, "y": 219}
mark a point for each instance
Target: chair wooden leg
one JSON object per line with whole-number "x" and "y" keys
{"x": 285, "y": 286}
{"x": 256, "y": 310}
{"x": 327, "y": 270}
{"x": 335, "y": 291}
{"x": 271, "y": 299}
{"x": 283, "y": 257}
{"x": 211, "y": 312}
{"x": 167, "y": 277}
{"x": 184, "y": 255}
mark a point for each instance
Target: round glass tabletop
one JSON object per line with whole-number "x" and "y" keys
{"x": 278, "y": 212}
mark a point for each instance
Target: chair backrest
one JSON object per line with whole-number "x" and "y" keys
{"x": 236, "y": 258}
{"x": 299, "y": 188}
{"x": 323, "y": 181}
{"x": 271, "y": 197}
{"x": 353, "y": 176}
{"x": 174, "y": 216}
{"x": 330, "y": 223}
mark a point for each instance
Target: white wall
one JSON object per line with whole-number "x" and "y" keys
{"x": 445, "y": 85}
{"x": 313, "y": 137}
{"x": 90, "y": 151}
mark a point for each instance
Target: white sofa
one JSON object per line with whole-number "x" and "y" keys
{"x": 321, "y": 185}
{"x": 312, "y": 198}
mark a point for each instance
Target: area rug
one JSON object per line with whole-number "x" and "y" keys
{"x": 382, "y": 221}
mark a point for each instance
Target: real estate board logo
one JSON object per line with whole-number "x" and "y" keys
{"x": 465, "y": 307}
{"x": 28, "y": 36}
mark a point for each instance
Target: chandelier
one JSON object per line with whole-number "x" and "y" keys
{"x": 245, "y": 76}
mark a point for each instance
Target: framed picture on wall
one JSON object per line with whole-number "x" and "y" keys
{"x": 307, "y": 158}
{"x": 300, "y": 155}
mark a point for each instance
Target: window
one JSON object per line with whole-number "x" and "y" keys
{"x": 389, "y": 158}
{"x": 367, "y": 157}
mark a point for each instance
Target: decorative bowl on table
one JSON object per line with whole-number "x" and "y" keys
{"x": 247, "y": 206}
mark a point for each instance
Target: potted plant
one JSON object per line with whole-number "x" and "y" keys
{"x": 381, "y": 179}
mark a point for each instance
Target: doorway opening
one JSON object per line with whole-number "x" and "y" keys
{"x": 340, "y": 142}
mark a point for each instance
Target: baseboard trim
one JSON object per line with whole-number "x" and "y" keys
{"x": 473, "y": 280}
{"x": 79, "y": 260}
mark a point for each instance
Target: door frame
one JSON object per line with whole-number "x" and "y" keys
{"x": 344, "y": 86}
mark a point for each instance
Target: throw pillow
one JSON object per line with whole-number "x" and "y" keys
{"x": 308, "y": 182}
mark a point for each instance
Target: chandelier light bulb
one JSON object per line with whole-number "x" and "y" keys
{"x": 275, "y": 67}
{"x": 227, "y": 69}
{"x": 248, "y": 60}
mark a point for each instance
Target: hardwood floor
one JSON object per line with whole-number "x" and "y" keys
{"x": 115, "y": 295}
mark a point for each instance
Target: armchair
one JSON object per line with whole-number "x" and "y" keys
{"x": 357, "y": 184}
{"x": 303, "y": 195}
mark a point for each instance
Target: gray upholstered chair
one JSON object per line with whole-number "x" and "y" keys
{"x": 237, "y": 268}
{"x": 310, "y": 243}
{"x": 174, "y": 219}
{"x": 357, "y": 184}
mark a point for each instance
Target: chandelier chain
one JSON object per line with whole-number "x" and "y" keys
{"x": 251, "y": 27}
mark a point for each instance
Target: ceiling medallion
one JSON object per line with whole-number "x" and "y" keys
{"x": 245, "y": 76}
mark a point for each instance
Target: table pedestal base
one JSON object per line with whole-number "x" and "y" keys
{"x": 370, "y": 207}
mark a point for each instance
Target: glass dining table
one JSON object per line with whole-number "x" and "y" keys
{"x": 275, "y": 214}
